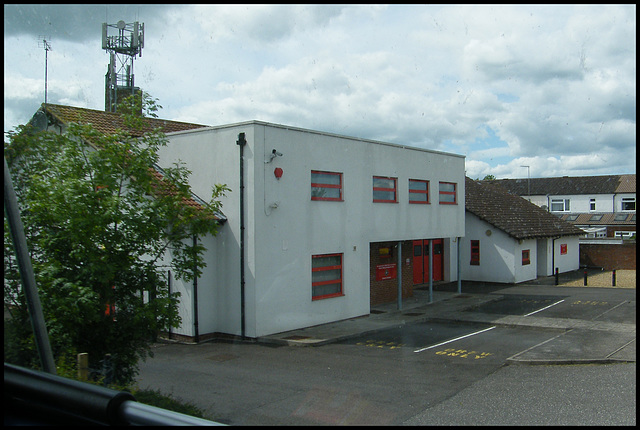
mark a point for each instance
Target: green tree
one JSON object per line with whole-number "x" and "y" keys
{"x": 100, "y": 221}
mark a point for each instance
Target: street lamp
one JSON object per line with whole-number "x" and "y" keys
{"x": 528, "y": 181}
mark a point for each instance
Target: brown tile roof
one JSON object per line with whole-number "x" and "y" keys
{"x": 618, "y": 218}
{"x": 512, "y": 214}
{"x": 627, "y": 184}
{"x": 169, "y": 189}
{"x": 109, "y": 122}
{"x": 608, "y": 184}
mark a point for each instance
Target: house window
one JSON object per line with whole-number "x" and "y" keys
{"x": 418, "y": 191}
{"x": 448, "y": 193}
{"x": 326, "y": 186}
{"x": 525, "y": 257}
{"x": 475, "y": 253}
{"x": 560, "y": 205}
{"x": 628, "y": 203}
{"x": 592, "y": 204}
{"x": 385, "y": 189}
{"x": 596, "y": 217}
{"x": 326, "y": 276}
{"x": 621, "y": 217}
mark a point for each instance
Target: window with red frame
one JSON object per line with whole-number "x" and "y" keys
{"x": 418, "y": 191}
{"x": 448, "y": 194}
{"x": 525, "y": 257}
{"x": 475, "y": 253}
{"x": 326, "y": 276}
{"x": 385, "y": 189}
{"x": 326, "y": 186}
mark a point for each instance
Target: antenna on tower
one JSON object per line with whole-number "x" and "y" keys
{"x": 123, "y": 47}
{"x": 44, "y": 43}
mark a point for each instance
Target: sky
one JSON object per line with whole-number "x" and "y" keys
{"x": 521, "y": 91}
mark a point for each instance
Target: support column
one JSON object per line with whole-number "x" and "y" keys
{"x": 399, "y": 272}
{"x": 430, "y": 270}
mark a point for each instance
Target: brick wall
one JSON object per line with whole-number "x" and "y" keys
{"x": 609, "y": 256}
{"x": 386, "y": 291}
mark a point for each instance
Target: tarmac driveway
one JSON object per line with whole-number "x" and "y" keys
{"x": 391, "y": 374}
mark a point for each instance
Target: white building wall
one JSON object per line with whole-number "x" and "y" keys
{"x": 571, "y": 260}
{"x": 501, "y": 255}
{"x": 580, "y": 203}
{"x": 298, "y": 228}
{"x": 525, "y": 272}
{"x": 618, "y": 201}
{"x": 284, "y": 228}
{"x": 496, "y": 253}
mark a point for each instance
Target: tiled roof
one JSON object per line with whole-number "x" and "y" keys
{"x": 618, "y": 218}
{"x": 512, "y": 214}
{"x": 109, "y": 122}
{"x": 609, "y": 184}
{"x": 627, "y": 184}
{"x": 169, "y": 189}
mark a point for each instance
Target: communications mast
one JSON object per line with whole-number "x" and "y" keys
{"x": 123, "y": 42}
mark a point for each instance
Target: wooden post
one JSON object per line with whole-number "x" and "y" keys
{"x": 83, "y": 366}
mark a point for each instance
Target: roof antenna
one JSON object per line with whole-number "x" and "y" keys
{"x": 44, "y": 43}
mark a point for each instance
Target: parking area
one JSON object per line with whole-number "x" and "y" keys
{"x": 571, "y": 325}
{"x": 518, "y": 304}
{"x": 447, "y": 341}
{"x": 363, "y": 370}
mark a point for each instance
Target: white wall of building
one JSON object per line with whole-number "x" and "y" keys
{"x": 566, "y": 262}
{"x": 581, "y": 203}
{"x": 284, "y": 227}
{"x": 501, "y": 255}
{"x": 496, "y": 253}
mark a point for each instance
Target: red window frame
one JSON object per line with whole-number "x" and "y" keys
{"x": 337, "y": 281}
{"x": 475, "y": 253}
{"x": 526, "y": 257}
{"x": 393, "y": 190}
{"x": 322, "y": 185}
{"x": 415, "y": 195}
{"x": 453, "y": 193}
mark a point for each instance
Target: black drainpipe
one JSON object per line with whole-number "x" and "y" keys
{"x": 242, "y": 142}
{"x": 195, "y": 293}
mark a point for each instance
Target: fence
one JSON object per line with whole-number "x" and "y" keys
{"x": 597, "y": 277}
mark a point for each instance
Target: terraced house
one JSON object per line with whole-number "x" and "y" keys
{"x": 603, "y": 206}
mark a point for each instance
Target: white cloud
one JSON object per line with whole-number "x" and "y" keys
{"x": 547, "y": 86}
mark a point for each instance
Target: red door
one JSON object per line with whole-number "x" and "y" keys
{"x": 421, "y": 260}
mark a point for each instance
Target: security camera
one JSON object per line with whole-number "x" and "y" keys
{"x": 276, "y": 153}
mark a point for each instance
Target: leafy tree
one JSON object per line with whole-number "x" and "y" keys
{"x": 100, "y": 221}
{"x": 489, "y": 178}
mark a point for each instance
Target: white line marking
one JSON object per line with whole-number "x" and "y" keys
{"x": 547, "y": 307}
{"x": 453, "y": 340}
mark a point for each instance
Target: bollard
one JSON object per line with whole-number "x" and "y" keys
{"x": 83, "y": 366}
{"x": 585, "y": 277}
{"x": 613, "y": 278}
{"x": 557, "y": 276}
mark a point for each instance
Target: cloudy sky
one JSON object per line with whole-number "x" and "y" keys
{"x": 549, "y": 87}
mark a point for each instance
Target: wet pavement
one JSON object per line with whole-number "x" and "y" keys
{"x": 587, "y": 325}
